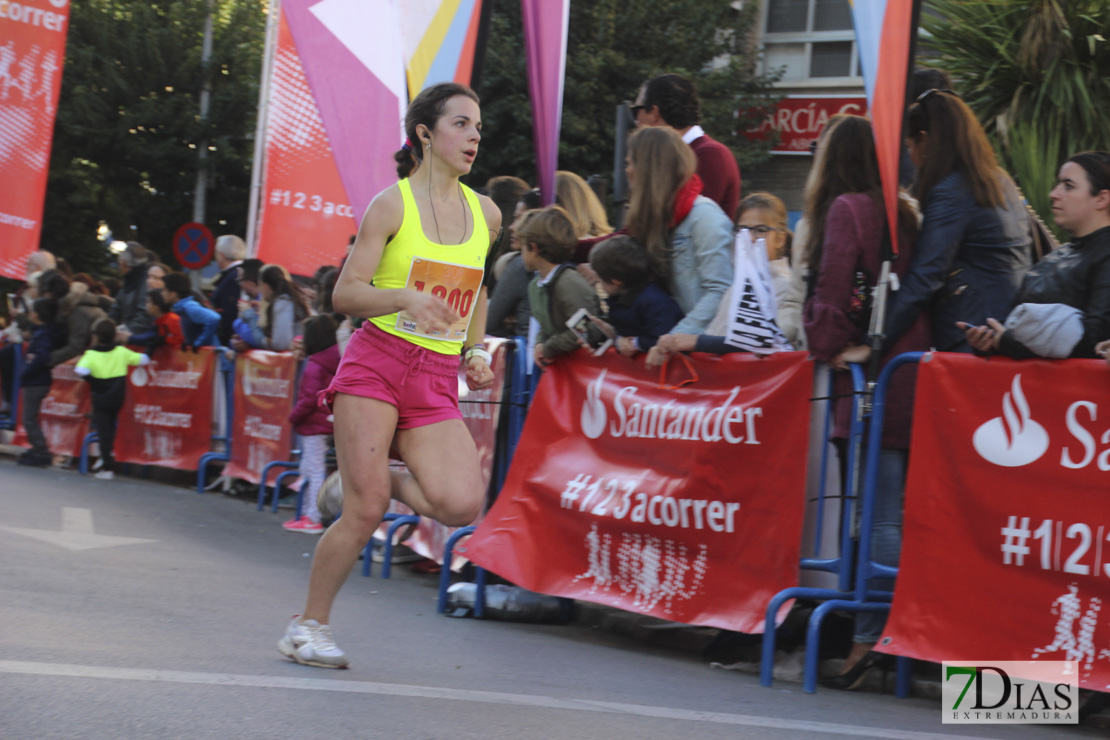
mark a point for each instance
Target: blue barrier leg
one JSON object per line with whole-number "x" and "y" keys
{"x": 445, "y": 574}
{"x": 202, "y": 466}
{"x": 367, "y": 551}
{"x": 904, "y": 672}
{"x": 479, "y": 592}
{"x": 266, "y": 474}
{"x": 366, "y": 562}
{"x": 277, "y": 487}
{"x": 83, "y": 461}
{"x": 387, "y": 550}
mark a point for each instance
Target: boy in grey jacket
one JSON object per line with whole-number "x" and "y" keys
{"x": 557, "y": 291}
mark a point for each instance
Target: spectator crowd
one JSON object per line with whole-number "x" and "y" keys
{"x": 969, "y": 280}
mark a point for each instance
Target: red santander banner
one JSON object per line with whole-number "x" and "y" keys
{"x": 166, "y": 418}
{"x": 798, "y": 119}
{"x": 32, "y": 53}
{"x": 1006, "y": 510}
{"x": 64, "y": 412}
{"x": 265, "y": 384}
{"x": 683, "y": 504}
{"x": 481, "y": 411}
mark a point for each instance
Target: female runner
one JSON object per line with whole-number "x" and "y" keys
{"x": 416, "y": 274}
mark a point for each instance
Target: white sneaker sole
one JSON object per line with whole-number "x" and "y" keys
{"x": 286, "y": 648}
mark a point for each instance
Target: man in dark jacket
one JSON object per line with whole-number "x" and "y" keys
{"x": 129, "y": 310}
{"x": 230, "y": 253}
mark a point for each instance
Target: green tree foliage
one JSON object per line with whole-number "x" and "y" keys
{"x": 128, "y": 125}
{"x": 613, "y": 47}
{"x": 1036, "y": 73}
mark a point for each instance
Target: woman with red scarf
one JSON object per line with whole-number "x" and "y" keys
{"x": 688, "y": 236}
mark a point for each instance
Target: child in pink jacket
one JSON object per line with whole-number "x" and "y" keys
{"x": 310, "y": 420}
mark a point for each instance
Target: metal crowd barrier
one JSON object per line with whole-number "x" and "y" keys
{"x": 859, "y": 598}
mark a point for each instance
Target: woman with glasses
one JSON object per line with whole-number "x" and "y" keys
{"x": 687, "y": 236}
{"x": 764, "y": 215}
{"x": 844, "y": 249}
{"x": 976, "y": 234}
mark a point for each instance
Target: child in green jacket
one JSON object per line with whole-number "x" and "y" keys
{"x": 105, "y": 367}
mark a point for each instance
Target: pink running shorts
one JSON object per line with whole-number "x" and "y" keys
{"x": 421, "y": 384}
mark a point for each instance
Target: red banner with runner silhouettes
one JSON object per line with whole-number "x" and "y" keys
{"x": 1006, "y": 512}
{"x": 64, "y": 412}
{"x": 166, "y": 419}
{"x": 683, "y": 504}
{"x": 32, "y": 53}
{"x": 263, "y": 397}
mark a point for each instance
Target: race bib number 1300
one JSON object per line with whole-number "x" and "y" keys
{"x": 458, "y": 285}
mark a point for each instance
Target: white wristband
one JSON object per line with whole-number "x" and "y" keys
{"x": 479, "y": 351}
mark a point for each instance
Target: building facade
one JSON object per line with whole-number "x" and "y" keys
{"x": 814, "y": 43}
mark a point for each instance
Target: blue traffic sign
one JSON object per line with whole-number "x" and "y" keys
{"x": 193, "y": 246}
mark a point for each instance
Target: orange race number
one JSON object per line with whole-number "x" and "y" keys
{"x": 457, "y": 285}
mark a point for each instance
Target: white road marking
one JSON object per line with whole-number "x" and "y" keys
{"x": 77, "y": 533}
{"x": 485, "y": 697}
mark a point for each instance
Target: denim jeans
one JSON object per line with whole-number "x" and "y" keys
{"x": 886, "y": 535}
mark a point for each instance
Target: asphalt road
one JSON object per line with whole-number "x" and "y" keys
{"x": 132, "y": 609}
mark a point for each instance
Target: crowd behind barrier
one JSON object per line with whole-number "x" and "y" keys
{"x": 166, "y": 424}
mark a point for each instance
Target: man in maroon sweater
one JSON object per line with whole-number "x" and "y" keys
{"x": 672, "y": 100}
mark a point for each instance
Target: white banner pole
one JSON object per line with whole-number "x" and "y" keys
{"x": 272, "y": 26}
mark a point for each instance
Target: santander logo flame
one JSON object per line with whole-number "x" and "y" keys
{"x": 1014, "y": 439}
{"x": 593, "y": 410}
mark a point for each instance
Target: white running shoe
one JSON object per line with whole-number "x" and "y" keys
{"x": 105, "y": 475}
{"x": 310, "y": 643}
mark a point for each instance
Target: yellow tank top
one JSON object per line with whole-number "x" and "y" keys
{"x": 452, "y": 272}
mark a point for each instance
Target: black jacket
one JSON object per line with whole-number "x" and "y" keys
{"x": 45, "y": 338}
{"x": 130, "y": 307}
{"x": 967, "y": 264}
{"x": 1078, "y": 275}
{"x": 225, "y": 301}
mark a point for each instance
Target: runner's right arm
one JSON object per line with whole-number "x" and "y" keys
{"x": 355, "y": 296}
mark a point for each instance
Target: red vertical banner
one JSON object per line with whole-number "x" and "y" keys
{"x": 32, "y": 53}
{"x": 481, "y": 412}
{"x": 1006, "y": 544}
{"x": 305, "y": 216}
{"x": 64, "y": 413}
{"x": 685, "y": 504}
{"x": 265, "y": 384}
{"x": 166, "y": 418}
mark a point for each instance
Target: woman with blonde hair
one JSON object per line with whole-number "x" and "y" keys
{"x": 582, "y": 205}
{"x": 688, "y": 237}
